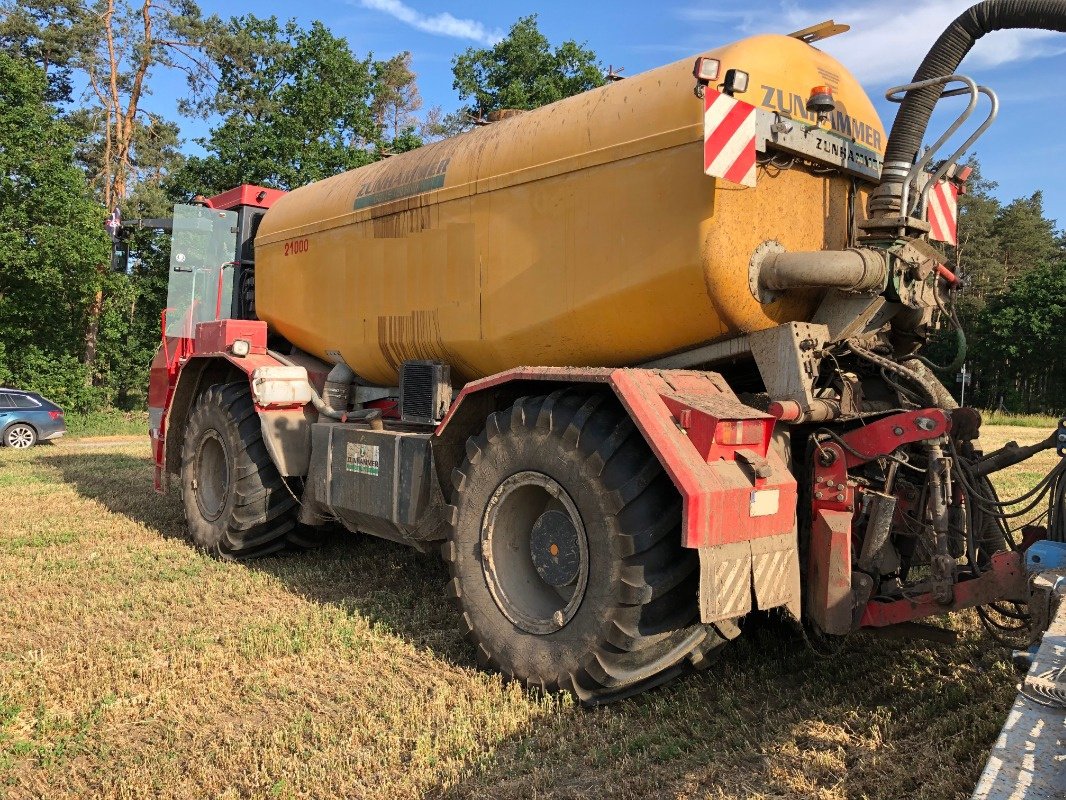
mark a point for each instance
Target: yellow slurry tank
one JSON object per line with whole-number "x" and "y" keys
{"x": 583, "y": 233}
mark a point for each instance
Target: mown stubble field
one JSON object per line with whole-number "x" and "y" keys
{"x": 133, "y": 666}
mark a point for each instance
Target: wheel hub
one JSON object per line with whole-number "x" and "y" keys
{"x": 534, "y": 552}
{"x": 212, "y": 476}
{"x": 553, "y": 546}
{"x": 20, "y": 437}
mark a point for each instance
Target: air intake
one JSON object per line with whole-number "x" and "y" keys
{"x": 425, "y": 391}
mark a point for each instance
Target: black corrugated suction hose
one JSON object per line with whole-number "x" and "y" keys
{"x": 944, "y": 58}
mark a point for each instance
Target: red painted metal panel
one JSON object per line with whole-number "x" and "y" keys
{"x": 245, "y": 195}
{"x": 1006, "y": 580}
{"x": 213, "y": 340}
{"x": 831, "y": 488}
{"x": 885, "y": 435}
{"x": 829, "y": 571}
{"x": 560, "y": 374}
{"x": 217, "y": 336}
{"x": 160, "y": 390}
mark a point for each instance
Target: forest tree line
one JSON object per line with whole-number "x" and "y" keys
{"x": 287, "y": 105}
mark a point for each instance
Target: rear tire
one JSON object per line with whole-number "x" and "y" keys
{"x": 565, "y": 552}
{"x": 20, "y": 436}
{"x": 237, "y": 505}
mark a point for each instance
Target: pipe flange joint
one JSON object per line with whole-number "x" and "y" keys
{"x": 758, "y": 291}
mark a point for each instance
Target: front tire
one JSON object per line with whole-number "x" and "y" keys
{"x": 565, "y": 552}
{"x": 237, "y": 505}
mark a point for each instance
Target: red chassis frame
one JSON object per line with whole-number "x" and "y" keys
{"x": 832, "y": 600}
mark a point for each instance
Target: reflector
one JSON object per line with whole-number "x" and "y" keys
{"x": 739, "y": 431}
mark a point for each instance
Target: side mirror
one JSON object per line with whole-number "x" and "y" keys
{"x": 120, "y": 256}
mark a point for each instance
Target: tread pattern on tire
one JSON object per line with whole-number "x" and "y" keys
{"x": 263, "y": 513}
{"x": 652, "y": 632}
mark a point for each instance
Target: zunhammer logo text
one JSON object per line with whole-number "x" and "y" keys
{"x": 795, "y": 106}
{"x": 839, "y": 151}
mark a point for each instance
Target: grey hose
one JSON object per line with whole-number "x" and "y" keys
{"x": 944, "y": 57}
{"x": 921, "y": 381}
{"x": 944, "y": 398}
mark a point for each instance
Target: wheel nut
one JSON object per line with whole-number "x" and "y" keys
{"x": 840, "y": 498}
{"x": 559, "y": 619}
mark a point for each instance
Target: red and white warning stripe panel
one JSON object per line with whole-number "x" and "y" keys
{"x": 728, "y": 138}
{"x": 942, "y": 212}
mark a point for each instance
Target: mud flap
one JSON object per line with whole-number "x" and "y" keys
{"x": 832, "y": 603}
{"x": 729, "y": 572}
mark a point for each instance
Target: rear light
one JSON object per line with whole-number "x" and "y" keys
{"x": 55, "y": 414}
{"x": 739, "y": 432}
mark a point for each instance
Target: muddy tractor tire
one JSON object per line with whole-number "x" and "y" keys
{"x": 565, "y": 552}
{"x": 237, "y": 505}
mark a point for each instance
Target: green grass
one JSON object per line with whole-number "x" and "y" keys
{"x": 1020, "y": 420}
{"x": 111, "y": 422}
{"x": 132, "y": 665}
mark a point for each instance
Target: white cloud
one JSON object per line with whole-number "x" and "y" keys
{"x": 887, "y": 41}
{"x": 442, "y": 24}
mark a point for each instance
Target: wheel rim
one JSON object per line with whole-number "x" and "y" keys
{"x": 534, "y": 552}
{"x": 20, "y": 437}
{"x": 212, "y": 475}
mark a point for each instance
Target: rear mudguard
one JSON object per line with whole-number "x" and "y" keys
{"x": 184, "y": 368}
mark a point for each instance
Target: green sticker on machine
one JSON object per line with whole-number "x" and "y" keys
{"x": 362, "y": 458}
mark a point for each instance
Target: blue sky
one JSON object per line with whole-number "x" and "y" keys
{"x": 1021, "y": 152}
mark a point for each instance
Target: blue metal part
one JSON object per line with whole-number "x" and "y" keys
{"x": 1028, "y": 760}
{"x": 1043, "y": 556}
